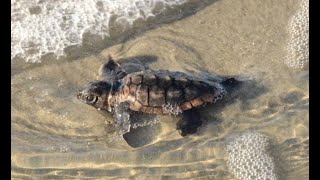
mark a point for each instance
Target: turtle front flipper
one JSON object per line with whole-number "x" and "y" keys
{"x": 189, "y": 122}
{"x": 137, "y": 128}
{"x": 111, "y": 71}
{"x": 122, "y": 117}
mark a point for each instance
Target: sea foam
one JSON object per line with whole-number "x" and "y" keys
{"x": 39, "y": 27}
{"x": 248, "y": 157}
{"x": 298, "y": 43}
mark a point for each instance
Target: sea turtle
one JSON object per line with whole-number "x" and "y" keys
{"x": 152, "y": 92}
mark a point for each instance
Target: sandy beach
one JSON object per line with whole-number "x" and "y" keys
{"x": 56, "y": 136}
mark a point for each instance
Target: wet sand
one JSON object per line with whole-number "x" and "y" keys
{"x": 56, "y": 136}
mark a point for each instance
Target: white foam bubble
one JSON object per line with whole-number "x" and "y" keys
{"x": 39, "y": 27}
{"x": 248, "y": 157}
{"x": 298, "y": 44}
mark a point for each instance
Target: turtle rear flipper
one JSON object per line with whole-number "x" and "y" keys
{"x": 138, "y": 129}
{"x": 189, "y": 123}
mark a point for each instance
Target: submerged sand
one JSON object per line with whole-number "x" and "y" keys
{"x": 55, "y": 136}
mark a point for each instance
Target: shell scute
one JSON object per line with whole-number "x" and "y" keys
{"x": 133, "y": 89}
{"x": 157, "y": 110}
{"x": 174, "y": 95}
{"x": 136, "y": 106}
{"x": 136, "y": 79}
{"x": 149, "y": 79}
{"x": 126, "y": 91}
{"x": 164, "y": 81}
{"x": 196, "y": 102}
{"x": 156, "y": 96}
{"x": 185, "y": 106}
{"x": 143, "y": 108}
{"x": 191, "y": 92}
{"x": 142, "y": 95}
{"x": 149, "y": 110}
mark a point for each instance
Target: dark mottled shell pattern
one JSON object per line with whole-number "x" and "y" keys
{"x": 154, "y": 91}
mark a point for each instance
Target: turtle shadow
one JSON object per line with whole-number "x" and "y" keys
{"x": 242, "y": 93}
{"x": 141, "y": 131}
{"x": 246, "y": 91}
{"x": 144, "y": 60}
{"x": 142, "y": 136}
{"x": 137, "y": 63}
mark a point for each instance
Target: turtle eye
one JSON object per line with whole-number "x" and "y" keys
{"x": 91, "y": 99}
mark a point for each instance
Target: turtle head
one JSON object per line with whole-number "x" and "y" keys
{"x": 96, "y": 94}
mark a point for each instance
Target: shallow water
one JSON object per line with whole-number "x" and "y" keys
{"x": 56, "y": 136}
